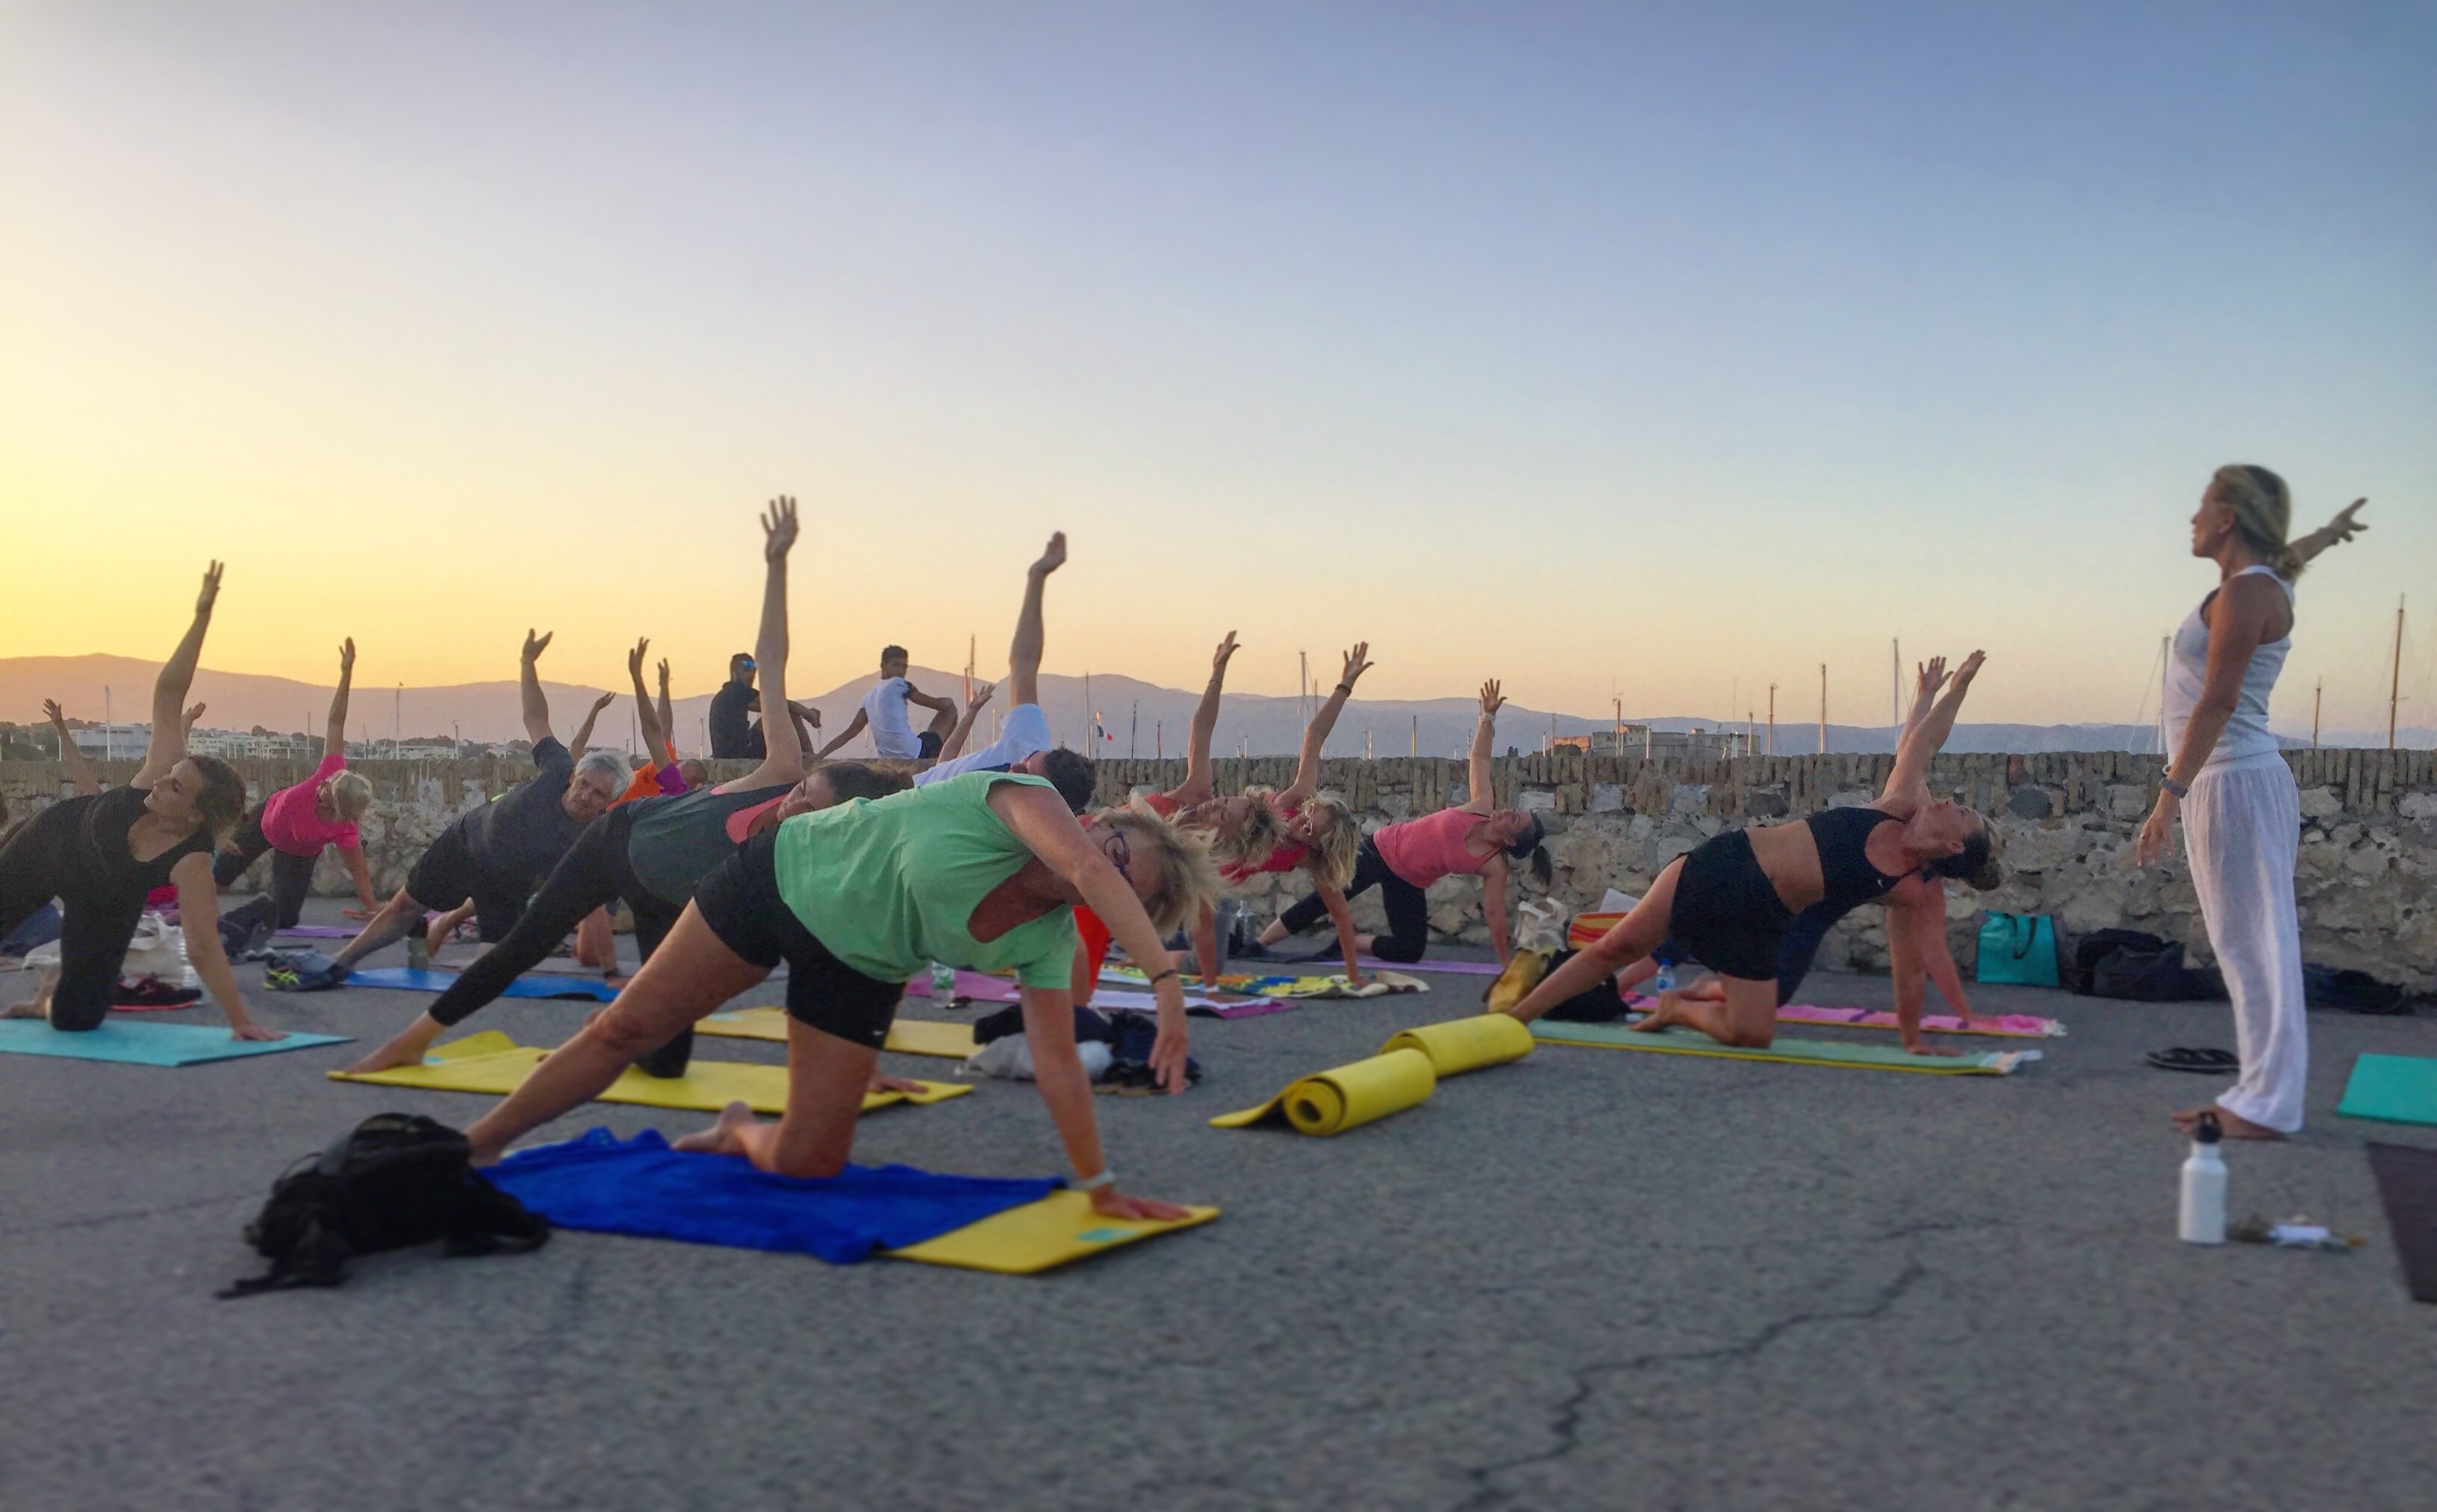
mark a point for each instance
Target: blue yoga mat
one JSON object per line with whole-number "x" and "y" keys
{"x": 406, "y": 980}
{"x": 642, "y": 1186}
{"x": 2393, "y": 1089}
{"x": 146, "y": 1043}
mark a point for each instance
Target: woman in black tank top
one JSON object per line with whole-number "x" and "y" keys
{"x": 1731, "y": 900}
{"x": 99, "y": 854}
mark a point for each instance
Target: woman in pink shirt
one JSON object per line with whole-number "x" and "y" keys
{"x": 1402, "y": 861}
{"x": 1319, "y": 832}
{"x": 293, "y": 825}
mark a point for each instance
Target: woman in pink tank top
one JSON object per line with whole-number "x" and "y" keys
{"x": 1402, "y": 861}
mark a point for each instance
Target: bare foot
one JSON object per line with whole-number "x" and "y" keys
{"x": 1661, "y": 1016}
{"x": 38, "y": 1006}
{"x": 2233, "y": 1124}
{"x": 720, "y": 1139}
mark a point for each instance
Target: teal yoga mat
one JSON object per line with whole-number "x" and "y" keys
{"x": 1796, "y": 1053}
{"x": 2391, "y": 1089}
{"x": 146, "y": 1043}
{"x": 406, "y": 980}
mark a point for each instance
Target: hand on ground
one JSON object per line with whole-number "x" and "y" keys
{"x": 880, "y": 1083}
{"x": 254, "y": 1031}
{"x": 1167, "y": 1054}
{"x": 1110, "y": 1203}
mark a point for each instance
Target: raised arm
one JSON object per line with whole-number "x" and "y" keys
{"x": 1199, "y": 780}
{"x": 782, "y": 743}
{"x": 668, "y": 719}
{"x": 334, "y": 735}
{"x": 536, "y": 708}
{"x": 1024, "y": 651}
{"x": 80, "y": 769}
{"x": 655, "y": 741}
{"x": 2333, "y": 532}
{"x": 583, "y": 740}
{"x": 1315, "y": 735}
{"x": 1484, "y": 795}
{"x": 1929, "y": 677}
{"x": 976, "y": 695}
{"x": 169, "y": 742}
{"x": 1908, "y": 784}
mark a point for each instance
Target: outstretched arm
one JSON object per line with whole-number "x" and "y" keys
{"x": 536, "y": 708}
{"x": 1315, "y": 735}
{"x": 80, "y": 769}
{"x": 168, "y": 743}
{"x": 2333, "y": 532}
{"x": 976, "y": 695}
{"x": 583, "y": 731}
{"x": 783, "y": 741}
{"x": 1908, "y": 784}
{"x": 655, "y": 743}
{"x": 668, "y": 719}
{"x": 1199, "y": 780}
{"x": 1024, "y": 652}
{"x": 1484, "y": 795}
{"x": 854, "y": 726}
{"x": 334, "y": 735}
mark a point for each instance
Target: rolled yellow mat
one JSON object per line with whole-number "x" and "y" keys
{"x": 1466, "y": 1044}
{"x": 1332, "y": 1101}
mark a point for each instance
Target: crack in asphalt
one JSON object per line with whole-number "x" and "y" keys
{"x": 1566, "y": 1418}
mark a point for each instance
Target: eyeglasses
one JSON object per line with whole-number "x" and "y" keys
{"x": 1118, "y": 852}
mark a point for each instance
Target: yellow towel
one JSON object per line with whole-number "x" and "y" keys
{"x": 1346, "y": 1098}
{"x": 1466, "y": 1044}
{"x": 1515, "y": 982}
{"x": 1059, "y": 1227}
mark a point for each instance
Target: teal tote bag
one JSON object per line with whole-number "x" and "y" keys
{"x": 2018, "y": 950}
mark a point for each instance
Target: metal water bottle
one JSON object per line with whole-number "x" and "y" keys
{"x": 418, "y": 950}
{"x": 2202, "y": 1219}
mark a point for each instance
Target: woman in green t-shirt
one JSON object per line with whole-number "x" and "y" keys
{"x": 982, "y": 871}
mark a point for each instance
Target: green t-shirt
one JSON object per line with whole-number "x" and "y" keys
{"x": 889, "y": 884}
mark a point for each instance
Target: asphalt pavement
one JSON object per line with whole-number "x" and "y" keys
{"x": 1588, "y": 1280}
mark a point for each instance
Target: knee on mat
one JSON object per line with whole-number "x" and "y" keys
{"x": 1395, "y": 948}
{"x": 1749, "y": 1039}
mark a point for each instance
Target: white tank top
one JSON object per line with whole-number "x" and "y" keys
{"x": 2246, "y": 734}
{"x": 885, "y": 708}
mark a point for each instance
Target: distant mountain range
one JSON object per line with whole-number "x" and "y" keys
{"x": 1138, "y": 718}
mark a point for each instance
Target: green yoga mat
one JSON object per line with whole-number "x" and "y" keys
{"x": 146, "y": 1043}
{"x": 1792, "y": 1052}
{"x": 2391, "y": 1089}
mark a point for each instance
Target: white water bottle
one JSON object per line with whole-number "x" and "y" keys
{"x": 2202, "y": 1219}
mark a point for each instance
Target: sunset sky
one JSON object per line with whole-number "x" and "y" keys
{"x": 1672, "y": 349}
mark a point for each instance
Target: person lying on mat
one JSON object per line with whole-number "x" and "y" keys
{"x": 1024, "y": 744}
{"x": 981, "y": 871}
{"x": 1318, "y": 833}
{"x": 651, "y": 852}
{"x": 497, "y": 853}
{"x": 1731, "y": 900}
{"x": 101, "y": 853}
{"x": 1470, "y": 839}
{"x": 294, "y": 825}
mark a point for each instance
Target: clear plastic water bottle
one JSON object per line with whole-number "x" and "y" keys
{"x": 943, "y": 981}
{"x": 418, "y": 950}
{"x": 1665, "y": 980}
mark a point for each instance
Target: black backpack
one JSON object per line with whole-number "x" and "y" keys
{"x": 1595, "y": 1004}
{"x": 2081, "y": 969}
{"x": 395, "y": 1180}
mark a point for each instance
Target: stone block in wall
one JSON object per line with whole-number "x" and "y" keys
{"x": 1608, "y": 798}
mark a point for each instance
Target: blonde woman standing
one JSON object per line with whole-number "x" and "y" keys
{"x": 2229, "y": 784}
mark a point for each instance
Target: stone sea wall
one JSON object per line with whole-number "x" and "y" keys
{"x": 2368, "y": 859}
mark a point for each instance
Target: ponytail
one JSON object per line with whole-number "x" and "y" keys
{"x": 1544, "y": 871}
{"x": 2263, "y": 513}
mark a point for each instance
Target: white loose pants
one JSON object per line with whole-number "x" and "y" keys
{"x": 2243, "y": 824}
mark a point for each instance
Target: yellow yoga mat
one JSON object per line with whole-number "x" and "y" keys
{"x": 1349, "y": 1097}
{"x": 907, "y": 1036}
{"x": 492, "y": 1064}
{"x": 1041, "y": 1235}
{"x": 1466, "y": 1044}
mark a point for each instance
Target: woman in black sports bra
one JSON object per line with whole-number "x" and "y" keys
{"x": 99, "y": 854}
{"x": 1732, "y": 898}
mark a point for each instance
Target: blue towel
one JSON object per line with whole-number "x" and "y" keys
{"x": 537, "y": 984}
{"x": 642, "y": 1186}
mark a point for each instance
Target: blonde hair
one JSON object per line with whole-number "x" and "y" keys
{"x": 1189, "y": 878}
{"x": 2263, "y": 511}
{"x": 1251, "y": 845}
{"x": 351, "y": 795}
{"x": 1331, "y": 862}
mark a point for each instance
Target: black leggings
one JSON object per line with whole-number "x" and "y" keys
{"x": 97, "y": 924}
{"x": 593, "y": 874}
{"x": 291, "y": 879}
{"x": 1409, "y": 907}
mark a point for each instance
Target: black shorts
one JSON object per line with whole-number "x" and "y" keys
{"x": 445, "y": 876}
{"x": 930, "y": 743}
{"x": 1728, "y": 913}
{"x": 739, "y": 899}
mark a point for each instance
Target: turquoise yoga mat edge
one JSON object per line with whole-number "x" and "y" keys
{"x": 156, "y": 1045}
{"x": 2391, "y": 1089}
